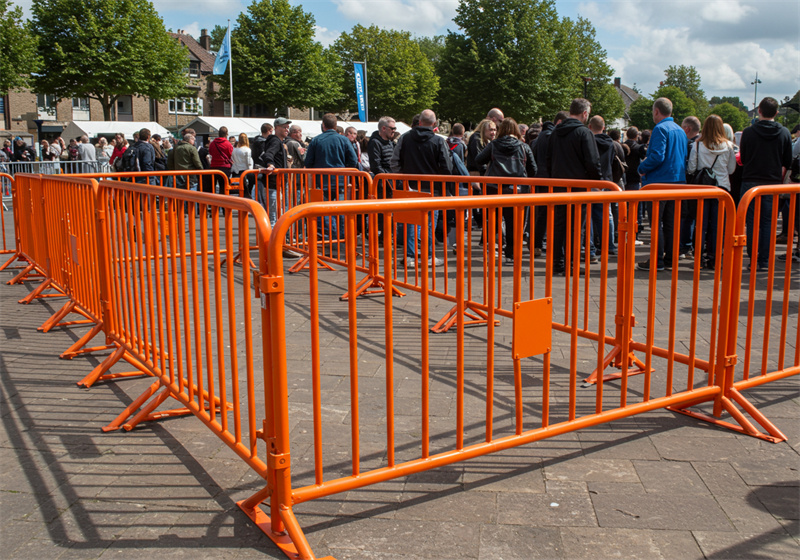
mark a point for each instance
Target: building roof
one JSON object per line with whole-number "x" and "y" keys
{"x": 628, "y": 95}
{"x": 206, "y": 58}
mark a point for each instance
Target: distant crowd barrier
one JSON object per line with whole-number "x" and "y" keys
{"x": 169, "y": 276}
{"x": 55, "y": 167}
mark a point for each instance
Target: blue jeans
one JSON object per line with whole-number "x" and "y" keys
{"x": 412, "y": 235}
{"x": 764, "y": 229}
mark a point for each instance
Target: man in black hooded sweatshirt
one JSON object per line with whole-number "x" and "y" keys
{"x": 606, "y": 149}
{"x": 539, "y": 147}
{"x": 571, "y": 154}
{"x": 766, "y": 151}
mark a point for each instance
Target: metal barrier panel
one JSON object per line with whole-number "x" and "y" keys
{"x": 766, "y": 293}
{"x": 57, "y": 167}
{"x": 174, "y": 307}
{"x": 206, "y": 180}
{"x": 30, "y": 218}
{"x": 381, "y": 385}
{"x": 7, "y": 186}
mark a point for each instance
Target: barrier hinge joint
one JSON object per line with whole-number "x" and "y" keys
{"x": 271, "y": 284}
{"x": 739, "y": 240}
{"x": 731, "y": 360}
{"x": 278, "y": 461}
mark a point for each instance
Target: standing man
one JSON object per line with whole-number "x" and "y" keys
{"x": 352, "y": 134}
{"x": 296, "y": 147}
{"x": 257, "y": 151}
{"x": 88, "y": 154}
{"x": 380, "y": 149}
{"x": 275, "y": 157}
{"x": 571, "y": 154}
{"x": 184, "y": 157}
{"x": 665, "y": 163}
{"x": 539, "y": 147}
{"x": 422, "y": 152}
{"x": 221, "y": 152}
{"x": 766, "y": 152}
{"x": 691, "y": 126}
{"x": 496, "y": 116}
{"x": 331, "y": 150}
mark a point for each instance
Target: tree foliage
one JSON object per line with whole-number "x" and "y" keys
{"x": 18, "y": 56}
{"x": 217, "y": 36}
{"x": 732, "y": 115}
{"x": 104, "y": 49}
{"x": 518, "y": 55}
{"x": 431, "y": 47}
{"x": 735, "y": 101}
{"x": 401, "y": 80}
{"x": 687, "y": 79}
{"x": 641, "y": 110}
{"x": 277, "y": 62}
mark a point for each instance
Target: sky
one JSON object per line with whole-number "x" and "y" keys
{"x": 727, "y": 41}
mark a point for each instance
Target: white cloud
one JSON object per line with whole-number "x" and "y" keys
{"x": 325, "y": 36}
{"x": 422, "y": 17}
{"x": 727, "y": 41}
{"x": 725, "y": 11}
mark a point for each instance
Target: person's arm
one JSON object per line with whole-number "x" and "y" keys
{"x": 374, "y": 151}
{"x": 731, "y": 159}
{"x": 656, "y": 151}
{"x": 350, "y": 156}
{"x": 445, "y": 161}
{"x": 270, "y": 151}
{"x": 395, "y": 163}
{"x": 530, "y": 162}
{"x": 694, "y": 155}
{"x": 591, "y": 160}
{"x": 311, "y": 155}
{"x": 171, "y": 160}
{"x": 485, "y": 155}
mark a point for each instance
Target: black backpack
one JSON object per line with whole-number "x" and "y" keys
{"x": 130, "y": 159}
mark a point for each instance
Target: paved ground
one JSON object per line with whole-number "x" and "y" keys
{"x": 653, "y": 486}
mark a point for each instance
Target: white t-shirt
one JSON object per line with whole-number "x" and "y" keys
{"x": 242, "y": 159}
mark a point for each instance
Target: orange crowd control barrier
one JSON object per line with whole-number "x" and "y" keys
{"x": 6, "y": 187}
{"x": 201, "y": 180}
{"x": 508, "y": 388}
{"x": 176, "y": 304}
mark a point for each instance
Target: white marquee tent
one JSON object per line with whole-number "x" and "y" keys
{"x": 252, "y": 127}
{"x": 94, "y": 129}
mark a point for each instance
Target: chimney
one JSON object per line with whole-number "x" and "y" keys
{"x": 617, "y": 82}
{"x": 205, "y": 39}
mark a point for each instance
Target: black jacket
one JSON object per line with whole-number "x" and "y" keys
{"x": 274, "y": 154}
{"x": 380, "y": 153}
{"x": 473, "y": 149}
{"x": 508, "y": 157}
{"x": 425, "y": 153}
{"x": 606, "y": 151}
{"x": 765, "y": 147}
{"x": 541, "y": 148}
{"x": 257, "y": 150}
{"x": 633, "y": 159}
{"x": 572, "y": 152}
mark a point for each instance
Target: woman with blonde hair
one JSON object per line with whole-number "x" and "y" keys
{"x": 716, "y": 154}
{"x": 242, "y": 160}
{"x": 484, "y": 133}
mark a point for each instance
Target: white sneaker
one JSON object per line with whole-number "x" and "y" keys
{"x": 637, "y": 242}
{"x": 410, "y": 263}
{"x": 438, "y": 261}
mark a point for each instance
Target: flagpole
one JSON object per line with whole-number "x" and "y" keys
{"x": 230, "y": 65}
{"x": 366, "y": 92}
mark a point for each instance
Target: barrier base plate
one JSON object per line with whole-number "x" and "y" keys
{"x": 282, "y": 540}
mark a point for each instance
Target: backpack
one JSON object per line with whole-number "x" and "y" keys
{"x": 130, "y": 159}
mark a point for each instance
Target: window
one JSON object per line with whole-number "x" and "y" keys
{"x": 80, "y": 109}
{"x": 46, "y": 104}
{"x": 186, "y": 106}
{"x": 194, "y": 68}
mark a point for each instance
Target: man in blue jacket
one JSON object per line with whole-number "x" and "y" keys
{"x": 665, "y": 163}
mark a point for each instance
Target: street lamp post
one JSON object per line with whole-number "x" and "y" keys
{"x": 586, "y": 81}
{"x": 755, "y": 93}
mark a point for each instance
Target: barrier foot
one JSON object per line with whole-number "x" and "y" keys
{"x": 16, "y": 256}
{"x": 292, "y": 542}
{"x": 57, "y": 316}
{"x": 303, "y": 263}
{"x": 238, "y": 259}
{"x": 100, "y": 373}
{"x": 78, "y": 347}
{"x": 131, "y": 408}
{"x": 743, "y": 425}
{"x": 610, "y": 357}
{"x": 142, "y": 415}
{"x": 370, "y": 285}
{"x": 475, "y": 316}
{"x": 19, "y": 278}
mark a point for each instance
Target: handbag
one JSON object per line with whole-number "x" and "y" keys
{"x": 705, "y": 175}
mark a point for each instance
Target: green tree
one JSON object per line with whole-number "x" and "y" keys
{"x": 401, "y": 81}
{"x": 732, "y": 115}
{"x": 18, "y": 55}
{"x": 104, "y": 49}
{"x": 687, "y": 79}
{"x": 277, "y": 62}
{"x": 431, "y": 47}
{"x": 518, "y": 55}
{"x": 641, "y": 113}
{"x": 641, "y": 110}
{"x": 217, "y": 35}
{"x": 735, "y": 101}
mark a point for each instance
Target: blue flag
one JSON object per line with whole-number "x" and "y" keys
{"x": 224, "y": 55}
{"x": 360, "y": 98}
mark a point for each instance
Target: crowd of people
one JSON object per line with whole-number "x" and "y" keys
{"x": 573, "y": 145}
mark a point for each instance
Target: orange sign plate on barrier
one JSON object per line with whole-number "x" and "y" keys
{"x": 533, "y": 328}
